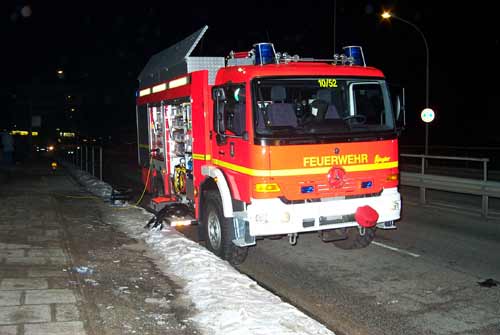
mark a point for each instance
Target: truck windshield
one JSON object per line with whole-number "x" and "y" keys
{"x": 326, "y": 106}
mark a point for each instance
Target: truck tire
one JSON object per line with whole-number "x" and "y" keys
{"x": 219, "y": 232}
{"x": 354, "y": 240}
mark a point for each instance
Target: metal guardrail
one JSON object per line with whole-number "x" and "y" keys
{"x": 87, "y": 158}
{"x": 482, "y": 187}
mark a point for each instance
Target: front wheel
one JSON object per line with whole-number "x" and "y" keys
{"x": 219, "y": 231}
{"x": 354, "y": 240}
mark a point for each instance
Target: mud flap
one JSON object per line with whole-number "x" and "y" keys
{"x": 242, "y": 236}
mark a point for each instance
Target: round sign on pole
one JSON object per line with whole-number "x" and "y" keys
{"x": 427, "y": 115}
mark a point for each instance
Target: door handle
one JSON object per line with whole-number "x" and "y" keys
{"x": 222, "y": 152}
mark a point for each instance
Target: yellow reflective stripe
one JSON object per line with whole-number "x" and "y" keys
{"x": 242, "y": 169}
{"x": 300, "y": 172}
{"x": 201, "y": 157}
{"x": 144, "y": 146}
{"x": 370, "y": 167}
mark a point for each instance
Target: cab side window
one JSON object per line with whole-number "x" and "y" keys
{"x": 232, "y": 109}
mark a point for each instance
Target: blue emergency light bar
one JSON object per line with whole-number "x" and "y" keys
{"x": 356, "y": 53}
{"x": 264, "y": 53}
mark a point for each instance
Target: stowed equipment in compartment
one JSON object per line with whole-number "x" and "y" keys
{"x": 180, "y": 144}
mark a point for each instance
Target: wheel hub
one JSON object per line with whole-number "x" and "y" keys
{"x": 214, "y": 231}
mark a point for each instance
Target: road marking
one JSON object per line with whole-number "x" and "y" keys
{"x": 396, "y": 249}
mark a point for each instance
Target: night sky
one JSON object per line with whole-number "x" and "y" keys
{"x": 103, "y": 47}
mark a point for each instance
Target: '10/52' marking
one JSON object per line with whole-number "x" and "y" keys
{"x": 327, "y": 82}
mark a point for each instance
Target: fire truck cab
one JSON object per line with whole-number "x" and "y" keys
{"x": 266, "y": 144}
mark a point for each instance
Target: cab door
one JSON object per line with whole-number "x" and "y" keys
{"x": 230, "y": 140}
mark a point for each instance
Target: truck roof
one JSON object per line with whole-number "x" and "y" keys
{"x": 176, "y": 61}
{"x": 317, "y": 69}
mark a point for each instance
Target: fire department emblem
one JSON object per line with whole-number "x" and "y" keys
{"x": 336, "y": 177}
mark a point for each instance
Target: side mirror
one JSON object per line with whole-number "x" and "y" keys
{"x": 398, "y": 106}
{"x": 219, "y": 95}
{"x": 401, "y": 110}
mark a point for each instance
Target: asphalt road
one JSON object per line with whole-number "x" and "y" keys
{"x": 427, "y": 283}
{"x": 422, "y": 278}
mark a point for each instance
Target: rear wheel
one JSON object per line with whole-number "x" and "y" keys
{"x": 219, "y": 232}
{"x": 354, "y": 240}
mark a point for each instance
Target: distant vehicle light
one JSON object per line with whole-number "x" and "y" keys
{"x": 50, "y": 148}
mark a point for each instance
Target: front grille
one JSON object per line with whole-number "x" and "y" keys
{"x": 325, "y": 220}
{"x": 368, "y": 195}
{"x": 346, "y": 197}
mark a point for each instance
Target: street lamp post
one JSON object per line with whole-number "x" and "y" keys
{"x": 388, "y": 15}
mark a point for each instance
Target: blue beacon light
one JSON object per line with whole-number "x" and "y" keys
{"x": 264, "y": 53}
{"x": 356, "y": 52}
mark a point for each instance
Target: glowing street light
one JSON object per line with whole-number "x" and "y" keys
{"x": 60, "y": 74}
{"x": 386, "y": 16}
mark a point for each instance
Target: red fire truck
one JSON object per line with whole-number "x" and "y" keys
{"x": 265, "y": 144}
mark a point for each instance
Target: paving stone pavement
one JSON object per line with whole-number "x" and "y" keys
{"x": 65, "y": 270}
{"x": 34, "y": 295}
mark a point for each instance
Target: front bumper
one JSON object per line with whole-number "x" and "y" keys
{"x": 274, "y": 217}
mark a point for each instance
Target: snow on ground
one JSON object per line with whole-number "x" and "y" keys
{"x": 92, "y": 184}
{"x": 225, "y": 301}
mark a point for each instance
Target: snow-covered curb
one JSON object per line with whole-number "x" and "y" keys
{"x": 92, "y": 184}
{"x": 226, "y": 301}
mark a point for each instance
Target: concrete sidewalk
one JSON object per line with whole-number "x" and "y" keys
{"x": 63, "y": 271}
{"x": 34, "y": 293}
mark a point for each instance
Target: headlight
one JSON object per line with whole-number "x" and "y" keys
{"x": 285, "y": 217}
